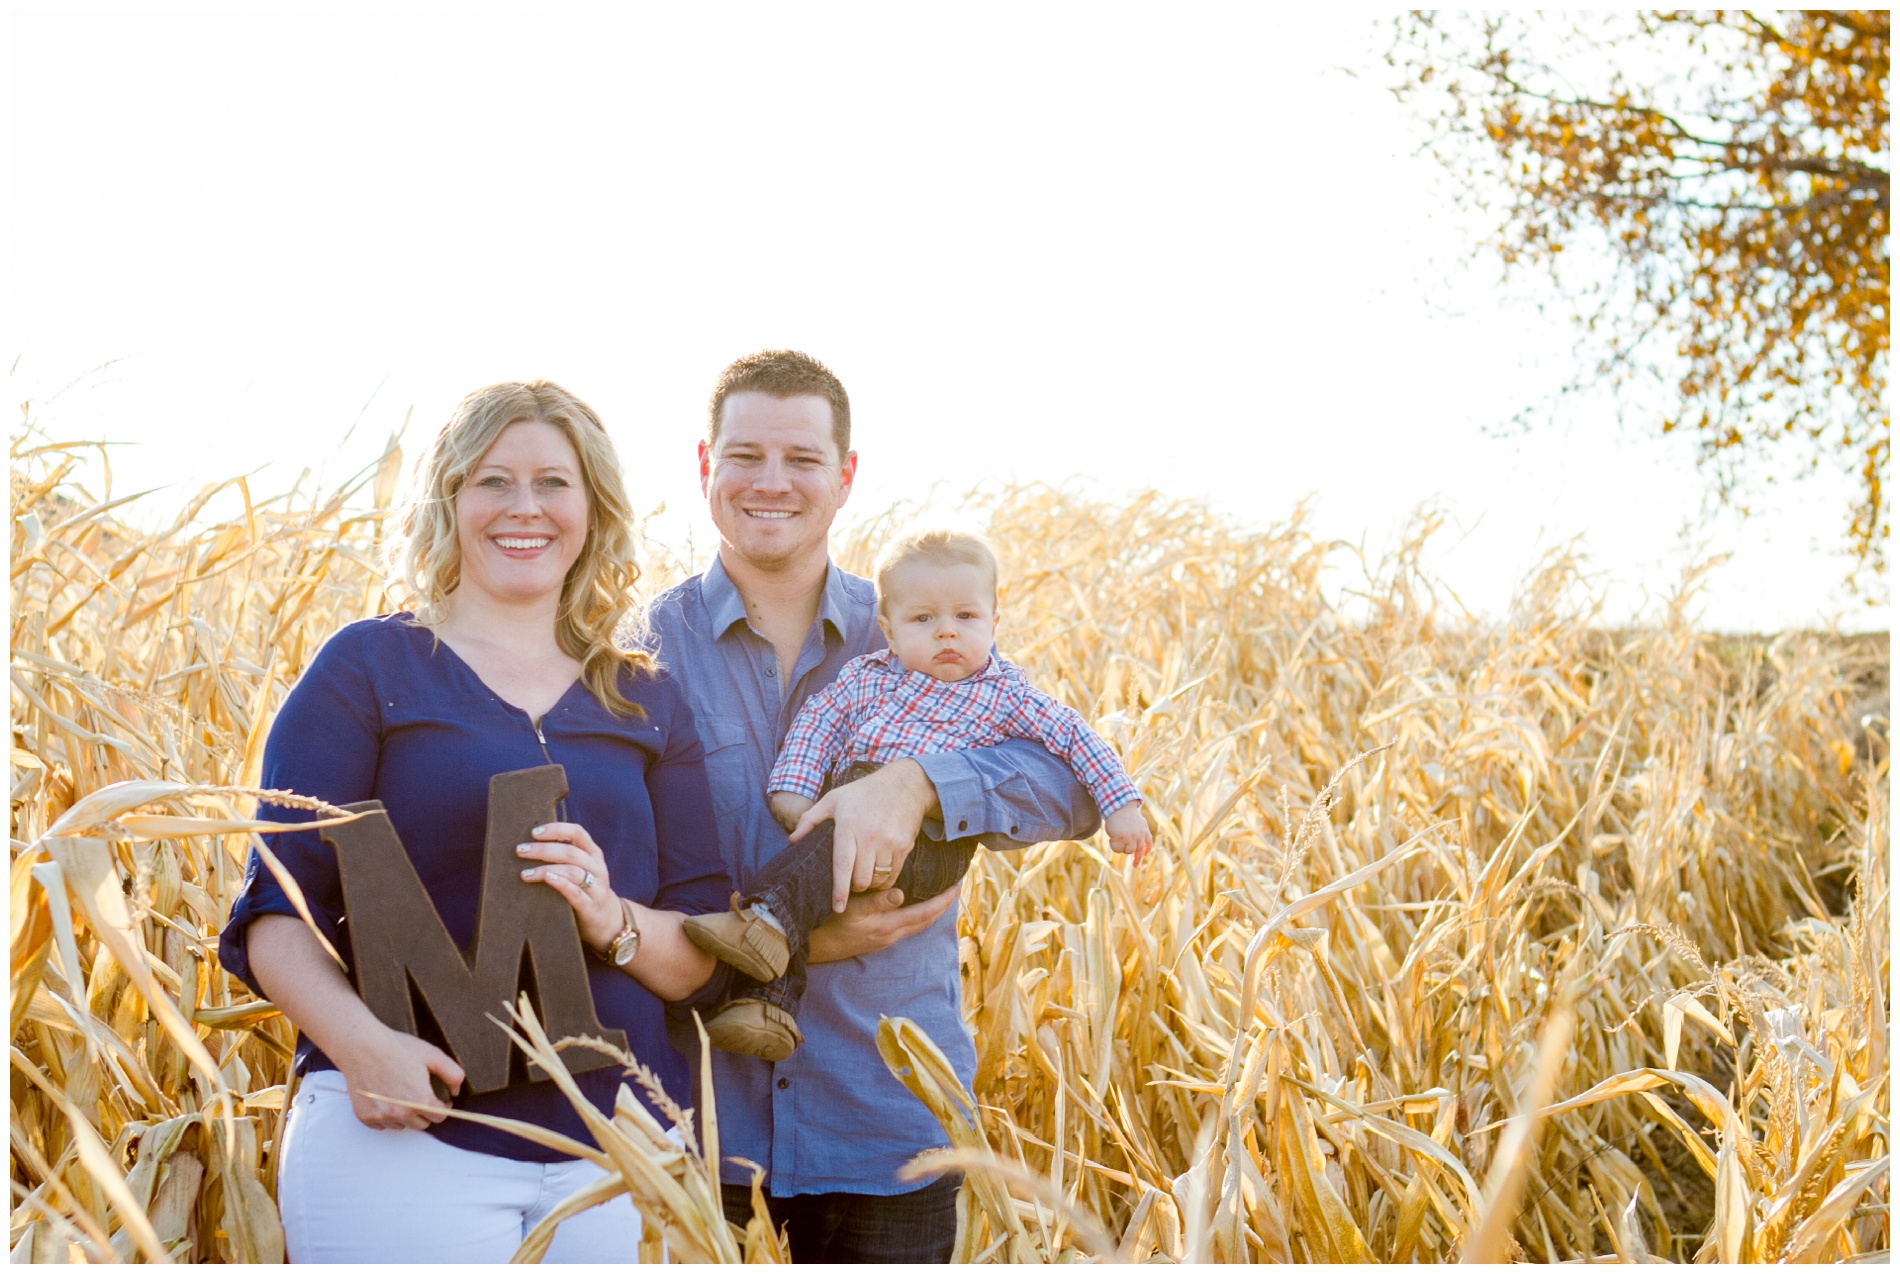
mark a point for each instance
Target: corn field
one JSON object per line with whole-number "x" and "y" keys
{"x": 1523, "y": 939}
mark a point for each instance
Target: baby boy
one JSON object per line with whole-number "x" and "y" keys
{"x": 937, "y": 688}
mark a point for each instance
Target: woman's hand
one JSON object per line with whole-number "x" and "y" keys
{"x": 391, "y": 1064}
{"x": 303, "y": 981}
{"x": 667, "y": 964}
{"x": 577, "y": 870}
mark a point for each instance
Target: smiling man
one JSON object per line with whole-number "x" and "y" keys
{"x": 769, "y": 624}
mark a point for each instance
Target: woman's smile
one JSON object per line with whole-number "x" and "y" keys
{"x": 522, "y": 516}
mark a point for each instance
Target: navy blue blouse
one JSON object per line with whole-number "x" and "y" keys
{"x": 386, "y": 712}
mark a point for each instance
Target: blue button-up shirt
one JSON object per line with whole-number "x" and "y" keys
{"x": 831, "y": 1116}
{"x": 387, "y": 711}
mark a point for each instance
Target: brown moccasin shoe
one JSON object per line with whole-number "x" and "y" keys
{"x": 746, "y": 940}
{"x": 755, "y": 1028}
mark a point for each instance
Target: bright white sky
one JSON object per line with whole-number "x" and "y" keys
{"x": 1187, "y": 249}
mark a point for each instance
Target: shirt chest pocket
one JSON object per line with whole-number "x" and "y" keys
{"x": 730, "y": 766}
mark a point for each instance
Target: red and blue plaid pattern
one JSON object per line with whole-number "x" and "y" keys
{"x": 878, "y": 710}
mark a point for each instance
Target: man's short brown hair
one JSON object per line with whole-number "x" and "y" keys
{"x": 783, "y": 373}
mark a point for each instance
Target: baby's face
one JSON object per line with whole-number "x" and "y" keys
{"x": 940, "y": 617}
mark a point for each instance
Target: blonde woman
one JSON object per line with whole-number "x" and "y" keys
{"x": 518, "y": 563}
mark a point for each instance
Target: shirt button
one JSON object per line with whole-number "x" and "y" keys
{"x": 1012, "y": 830}
{"x": 771, "y": 672}
{"x": 785, "y": 1083}
{"x": 964, "y": 825}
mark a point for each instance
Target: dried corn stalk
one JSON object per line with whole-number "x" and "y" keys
{"x": 1684, "y": 836}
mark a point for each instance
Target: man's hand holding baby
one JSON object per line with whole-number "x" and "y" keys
{"x": 878, "y": 818}
{"x": 875, "y": 920}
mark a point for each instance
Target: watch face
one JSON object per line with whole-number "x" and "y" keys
{"x": 626, "y": 949}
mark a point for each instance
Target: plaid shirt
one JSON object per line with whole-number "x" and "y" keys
{"x": 878, "y": 710}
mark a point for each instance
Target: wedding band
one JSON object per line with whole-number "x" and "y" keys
{"x": 883, "y": 869}
{"x": 587, "y": 880}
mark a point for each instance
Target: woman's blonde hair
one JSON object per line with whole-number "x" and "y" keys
{"x": 598, "y": 592}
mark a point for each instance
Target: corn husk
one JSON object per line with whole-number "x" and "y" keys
{"x": 1396, "y": 846}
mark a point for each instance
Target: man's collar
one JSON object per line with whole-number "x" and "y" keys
{"x": 727, "y": 608}
{"x": 834, "y": 606}
{"x": 722, "y": 597}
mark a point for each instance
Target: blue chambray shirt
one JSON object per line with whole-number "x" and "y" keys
{"x": 831, "y": 1117}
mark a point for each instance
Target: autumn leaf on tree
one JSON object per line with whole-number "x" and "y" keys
{"x": 1733, "y": 165}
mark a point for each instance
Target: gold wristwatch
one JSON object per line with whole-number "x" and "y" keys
{"x": 624, "y": 945}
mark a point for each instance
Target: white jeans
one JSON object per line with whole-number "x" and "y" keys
{"x": 353, "y": 1193}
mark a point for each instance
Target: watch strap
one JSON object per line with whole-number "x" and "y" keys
{"x": 629, "y": 935}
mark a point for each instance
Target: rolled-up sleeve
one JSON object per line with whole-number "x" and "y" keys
{"x": 324, "y": 744}
{"x": 1016, "y": 793}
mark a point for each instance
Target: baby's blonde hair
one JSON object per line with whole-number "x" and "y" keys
{"x": 935, "y": 543}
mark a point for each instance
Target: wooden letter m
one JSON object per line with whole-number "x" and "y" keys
{"x": 401, "y": 943}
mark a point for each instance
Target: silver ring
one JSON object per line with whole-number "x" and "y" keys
{"x": 587, "y": 880}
